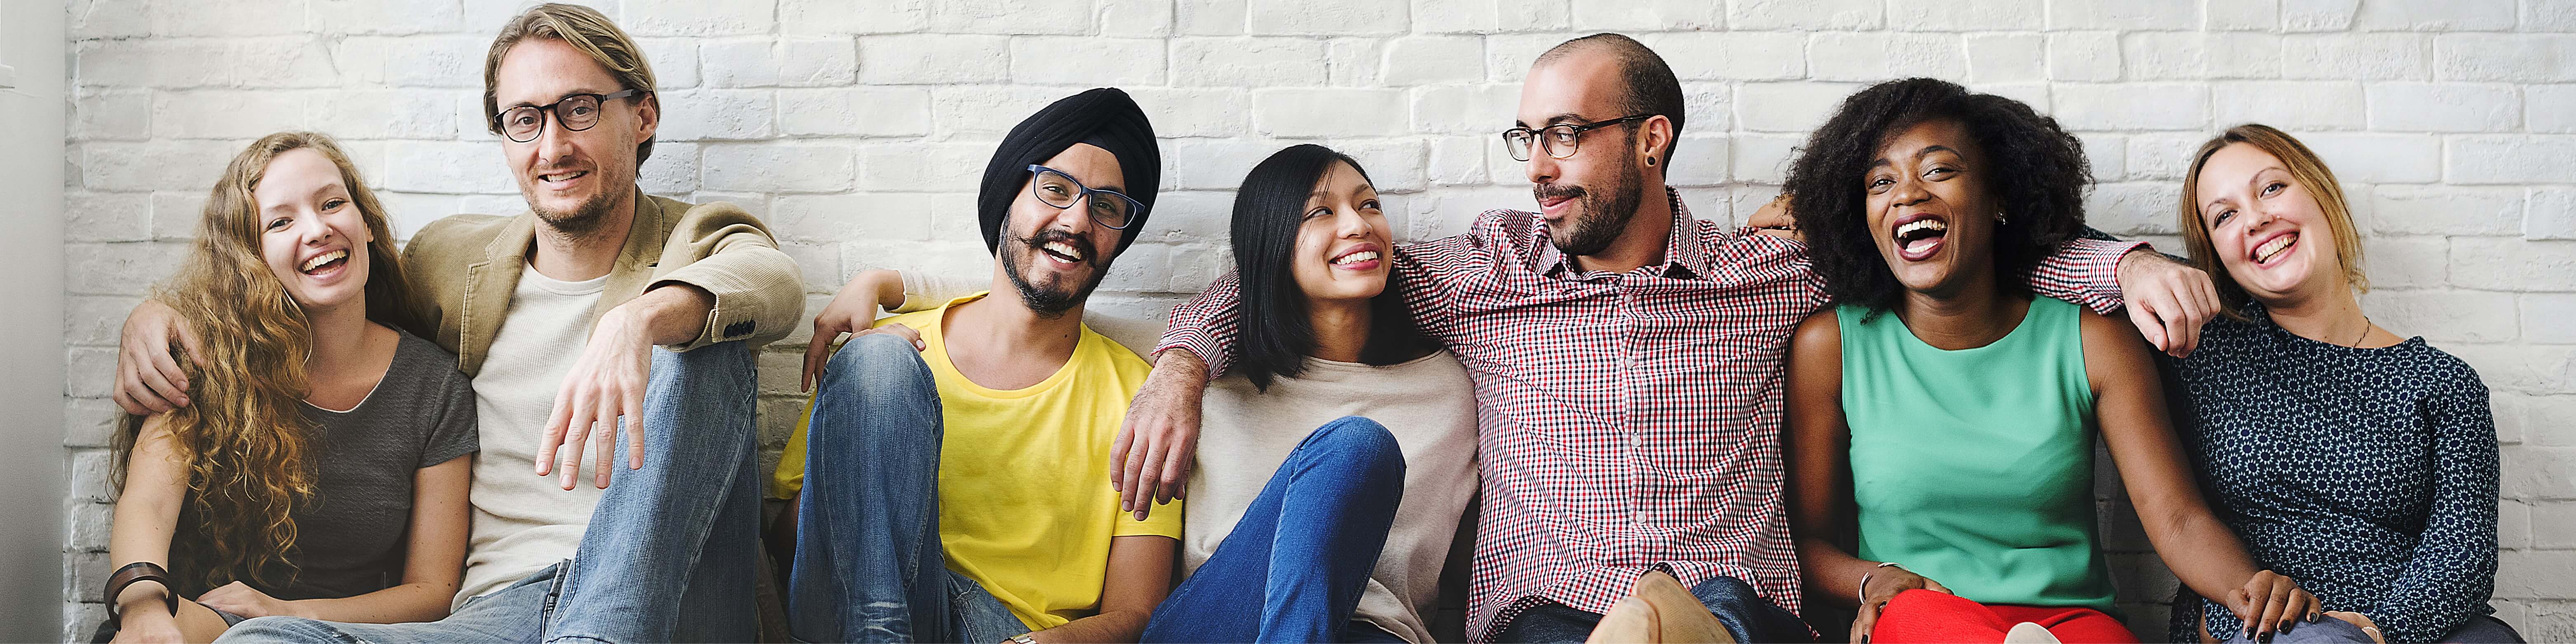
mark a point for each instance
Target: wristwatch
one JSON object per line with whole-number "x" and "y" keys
{"x": 1022, "y": 638}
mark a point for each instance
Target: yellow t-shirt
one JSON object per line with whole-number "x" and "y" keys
{"x": 1025, "y": 506}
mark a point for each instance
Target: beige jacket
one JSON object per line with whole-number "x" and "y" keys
{"x": 463, "y": 269}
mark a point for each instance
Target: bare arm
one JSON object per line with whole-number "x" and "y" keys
{"x": 147, "y": 518}
{"x": 434, "y": 567}
{"x": 1820, "y": 480}
{"x": 2129, "y": 404}
{"x": 1140, "y": 575}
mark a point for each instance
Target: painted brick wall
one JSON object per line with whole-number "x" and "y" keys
{"x": 858, "y": 129}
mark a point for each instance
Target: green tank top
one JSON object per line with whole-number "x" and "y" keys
{"x": 1975, "y": 467}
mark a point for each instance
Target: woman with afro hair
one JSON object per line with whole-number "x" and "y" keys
{"x": 1955, "y": 413}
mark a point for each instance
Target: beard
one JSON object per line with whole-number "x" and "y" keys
{"x": 1604, "y": 215}
{"x": 584, "y": 219}
{"x": 1051, "y": 299}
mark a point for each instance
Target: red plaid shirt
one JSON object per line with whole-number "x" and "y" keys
{"x": 1629, "y": 420}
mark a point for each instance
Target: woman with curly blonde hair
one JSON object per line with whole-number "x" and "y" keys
{"x": 318, "y": 472}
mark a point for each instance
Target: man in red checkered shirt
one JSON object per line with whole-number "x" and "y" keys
{"x": 1628, "y": 361}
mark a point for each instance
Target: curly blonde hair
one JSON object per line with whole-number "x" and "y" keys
{"x": 250, "y": 450}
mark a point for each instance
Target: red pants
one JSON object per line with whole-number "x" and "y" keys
{"x": 1927, "y": 616}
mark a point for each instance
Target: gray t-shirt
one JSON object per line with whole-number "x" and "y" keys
{"x": 352, "y": 539}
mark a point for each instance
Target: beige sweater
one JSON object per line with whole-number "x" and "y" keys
{"x": 1427, "y": 403}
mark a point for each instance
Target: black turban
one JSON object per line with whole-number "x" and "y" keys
{"x": 1103, "y": 117}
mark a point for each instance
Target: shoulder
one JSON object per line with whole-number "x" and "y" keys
{"x": 919, "y": 320}
{"x": 1131, "y": 368}
{"x": 1818, "y": 338}
{"x": 413, "y": 352}
{"x": 2098, "y": 328}
{"x": 685, "y": 218}
{"x": 1506, "y": 226}
{"x": 453, "y": 237}
{"x": 2439, "y": 372}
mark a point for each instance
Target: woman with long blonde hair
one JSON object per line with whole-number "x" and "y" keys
{"x": 2357, "y": 461}
{"x": 319, "y": 471}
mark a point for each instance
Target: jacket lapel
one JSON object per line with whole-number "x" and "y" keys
{"x": 637, "y": 259}
{"x": 488, "y": 285}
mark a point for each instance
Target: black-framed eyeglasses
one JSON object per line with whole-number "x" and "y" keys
{"x": 1557, "y": 140}
{"x": 1109, "y": 207}
{"x": 576, "y": 112}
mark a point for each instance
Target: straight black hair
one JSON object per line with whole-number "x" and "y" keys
{"x": 1276, "y": 335}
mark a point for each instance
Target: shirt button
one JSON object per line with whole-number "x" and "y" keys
{"x": 1640, "y": 516}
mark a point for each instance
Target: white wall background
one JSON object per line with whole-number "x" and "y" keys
{"x": 858, "y": 130}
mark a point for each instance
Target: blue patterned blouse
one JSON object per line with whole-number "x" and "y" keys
{"x": 2367, "y": 475}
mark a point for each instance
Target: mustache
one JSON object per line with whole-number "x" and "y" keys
{"x": 1542, "y": 192}
{"x": 1090, "y": 254}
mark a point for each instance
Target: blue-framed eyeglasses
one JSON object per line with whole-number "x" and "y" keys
{"x": 1108, "y": 207}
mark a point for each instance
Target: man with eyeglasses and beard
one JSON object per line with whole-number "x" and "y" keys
{"x": 945, "y": 476}
{"x": 1629, "y": 361}
{"x": 608, "y": 334}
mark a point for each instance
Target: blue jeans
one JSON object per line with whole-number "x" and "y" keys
{"x": 1294, "y": 567}
{"x": 668, "y": 555}
{"x": 2482, "y": 629}
{"x": 869, "y": 566}
{"x": 1747, "y": 616}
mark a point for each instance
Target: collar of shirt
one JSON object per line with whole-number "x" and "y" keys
{"x": 1683, "y": 253}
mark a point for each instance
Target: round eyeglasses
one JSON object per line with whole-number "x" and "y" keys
{"x": 574, "y": 112}
{"x": 1108, "y": 207}
{"x": 1558, "y": 140}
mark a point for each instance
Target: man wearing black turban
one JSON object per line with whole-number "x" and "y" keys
{"x": 947, "y": 481}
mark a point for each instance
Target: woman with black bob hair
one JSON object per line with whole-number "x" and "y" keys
{"x": 1340, "y": 411}
{"x": 1956, "y": 412}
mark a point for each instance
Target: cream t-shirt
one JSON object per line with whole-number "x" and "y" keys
{"x": 1427, "y": 403}
{"x": 524, "y": 522}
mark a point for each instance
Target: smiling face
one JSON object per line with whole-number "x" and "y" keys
{"x": 1930, "y": 212}
{"x": 2266, "y": 227}
{"x": 1056, "y": 256}
{"x": 1588, "y": 198}
{"x": 1341, "y": 251}
{"x": 574, "y": 181}
{"x": 311, "y": 233}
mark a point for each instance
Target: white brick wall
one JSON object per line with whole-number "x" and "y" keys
{"x": 2453, "y": 123}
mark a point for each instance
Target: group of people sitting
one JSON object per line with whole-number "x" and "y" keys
{"x": 1870, "y": 414}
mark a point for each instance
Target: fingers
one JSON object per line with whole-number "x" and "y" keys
{"x": 1150, "y": 478}
{"x": 1129, "y": 465}
{"x": 2274, "y": 608}
{"x": 557, "y": 421}
{"x": 576, "y": 433}
{"x": 603, "y": 438}
{"x": 2303, "y": 608}
{"x": 909, "y": 335}
{"x": 1118, "y": 458}
{"x": 817, "y": 351}
{"x": 135, "y": 398}
{"x": 2144, "y": 319}
{"x": 188, "y": 340}
{"x": 634, "y": 415}
{"x": 1173, "y": 474}
{"x": 1865, "y": 621}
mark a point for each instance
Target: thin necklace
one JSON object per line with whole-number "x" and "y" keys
{"x": 2365, "y": 334}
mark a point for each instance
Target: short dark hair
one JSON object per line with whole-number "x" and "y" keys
{"x": 1275, "y": 335}
{"x": 1650, "y": 84}
{"x": 2033, "y": 169}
